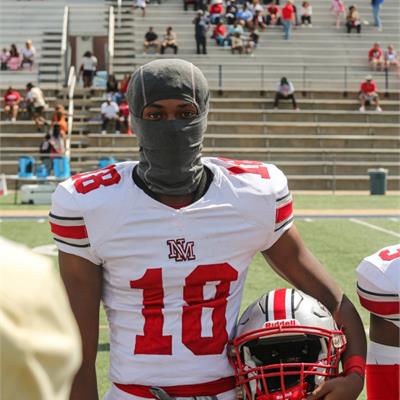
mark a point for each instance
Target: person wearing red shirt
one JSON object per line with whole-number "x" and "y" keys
{"x": 219, "y": 33}
{"x": 273, "y": 17}
{"x": 368, "y": 93}
{"x": 375, "y": 57}
{"x": 216, "y": 10}
{"x": 12, "y": 99}
{"x": 287, "y": 18}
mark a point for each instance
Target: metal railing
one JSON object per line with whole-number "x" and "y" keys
{"x": 119, "y": 12}
{"x": 111, "y": 35}
{"x": 71, "y": 89}
{"x": 304, "y": 77}
{"x": 65, "y": 47}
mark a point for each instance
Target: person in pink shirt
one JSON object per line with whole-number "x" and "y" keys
{"x": 369, "y": 93}
{"x": 338, "y": 8}
{"x": 376, "y": 58}
{"x": 14, "y": 61}
{"x": 287, "y": 18}
{"x": 12, "y": 99}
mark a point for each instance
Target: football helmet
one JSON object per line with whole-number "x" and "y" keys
{"x": 286, "y": 344}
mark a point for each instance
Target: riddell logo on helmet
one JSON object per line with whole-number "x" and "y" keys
{"x": 280, "y": 323}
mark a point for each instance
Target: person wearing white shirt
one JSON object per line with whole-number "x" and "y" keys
{"x": 88, "y": 68}
{"x": 110, "y": 112}
{"x": 306, "y": 13}
{"x": 285, "y": 91}
{"x": 28, "y": 54}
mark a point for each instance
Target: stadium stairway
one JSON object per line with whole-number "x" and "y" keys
{"x": 312, "y": 147}
{"x": 314, "y": 58}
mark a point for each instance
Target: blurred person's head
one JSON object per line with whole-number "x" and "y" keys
{"x": 28, "y": 44}
{"x": 88, "y": 54}
{"x": 377, "y": 45}
{"x": 29, "y": 86}
{"x": 169, "y": 29}
{"x": 284, "y": 80}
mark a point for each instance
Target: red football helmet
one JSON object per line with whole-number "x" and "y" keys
{"x": 286, "y": 344}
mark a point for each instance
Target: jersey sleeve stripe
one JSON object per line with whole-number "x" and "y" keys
{"x": 284, "y": 212}
{"x": 66, "y": 221}
{"x": 72, "y": 232}
{"x": 58, "y": 217}
{"x": 372, "y": 295}
{"x": 280, "y": 226}
{"x": 70, "y": 243}
{"x": 385, "y": 308}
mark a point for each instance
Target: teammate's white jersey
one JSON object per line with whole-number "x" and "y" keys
{"x": 378, "y": 283}
{"x": 173, "y": 278}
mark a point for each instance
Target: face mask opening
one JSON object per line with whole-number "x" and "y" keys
{"x": 298, "y": 349}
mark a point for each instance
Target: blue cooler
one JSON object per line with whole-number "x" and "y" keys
{"x": 41, "y": 171}
{"x": 61, "y": 167}
{"x": 25, "y": 167}
{"x": 106, "y": 161}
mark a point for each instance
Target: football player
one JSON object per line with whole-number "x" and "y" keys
{"x": 378, "y": 288}
{"x": 287, "y": 344}
{"x": 166, "y": 242}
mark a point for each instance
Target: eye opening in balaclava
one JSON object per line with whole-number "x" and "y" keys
{"x": 170, "y": 151}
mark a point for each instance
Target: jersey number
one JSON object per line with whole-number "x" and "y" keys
{"x": 86, "y": 182}
{"x": 385, "y": 255}
{"x": 246, "y": 166}
{"x": 154, "y": 342}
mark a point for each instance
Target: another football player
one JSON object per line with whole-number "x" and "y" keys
{"x": 287, "y": 344}
{"x": 378, "y": 288}
{"x": 166, "y": 242}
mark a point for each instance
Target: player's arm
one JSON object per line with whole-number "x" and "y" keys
{"x": 292, "y": 260}
{"x": 82, "y": 280}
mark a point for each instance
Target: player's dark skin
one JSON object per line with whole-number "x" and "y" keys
{"x": 288, "y": 257}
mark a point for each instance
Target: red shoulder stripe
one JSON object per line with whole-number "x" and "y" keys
{"x": 72, "y": 232}
{"x": 381, "y": 307}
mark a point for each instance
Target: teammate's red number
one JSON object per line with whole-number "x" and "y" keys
{"x": 386, "y": 255}
{"x": 246, "y": 166}
{"x": 86, "y": 182}
{"x": 154, "y": 342}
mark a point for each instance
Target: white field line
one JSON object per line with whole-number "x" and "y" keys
{"x": 377, "y": 228}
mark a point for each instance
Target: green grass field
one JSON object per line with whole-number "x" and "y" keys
{"x": 339, "y": 244}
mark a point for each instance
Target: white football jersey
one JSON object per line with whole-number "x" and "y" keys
{"x": 173, "y": 278}
{"x": 378, "y": 283}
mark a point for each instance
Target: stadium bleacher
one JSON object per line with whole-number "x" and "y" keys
{"x": 328, "y": 145}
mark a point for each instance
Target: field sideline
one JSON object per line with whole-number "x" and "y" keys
{"x": 339, "y": 243}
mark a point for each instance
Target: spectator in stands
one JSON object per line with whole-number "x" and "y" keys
{"x": 337, "y": 7}
{"x": 12, "y": 100}
{"x": 251, "y": 42}
{"x": 285, "y": 91}
{"x": 288, "y": 18}
{"x": 391, "y": 59}
{"x": 273, "y": 16}
{"x": 259, "y": 20}
{"x": 200, "y": 32}
{"x": 216, "y": 10}
{"x": 306, "y": 13}
{"x": 376, "y": 58}
{"x": 28, "y": 54}
{"x": 151, "y": 40}
{"x": 88, "y": 69}
{"x": 110, "y": 112}
{"x": 140, "y": 4}
{"x": 237, "y": 43}
{"x": 59, "y": 118}
{"x": 245, "y": 15}
{"x": 219, "y": 33}
{"x": 376, "y": 12}
{"x": 57, "y": 142}
{"x": 45, "y": 148}
{"x": 353, "y": 20}
{"x": 231, "y": 11}
{"x": 124, "y": 116}
{"x": 195, "y": 4}
{"x": 123, "y": 85}
{"x": 14, "y": 60}
{"x": 169, "y": 41}
{"x": 112, "y": 88}
{"x": 4, "y": 56}
{"x": 369, "y": 94}
{"x": 36, "y": 105}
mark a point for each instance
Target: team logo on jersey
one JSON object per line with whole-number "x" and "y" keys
{"x": 181, "y": 250}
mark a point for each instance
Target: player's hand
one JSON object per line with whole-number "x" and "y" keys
{"x": 342, "y": 388}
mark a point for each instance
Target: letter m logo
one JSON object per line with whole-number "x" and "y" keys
{"x": 181, "y": 251}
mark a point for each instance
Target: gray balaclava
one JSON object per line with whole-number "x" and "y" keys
{"x": 170, "y": 151}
